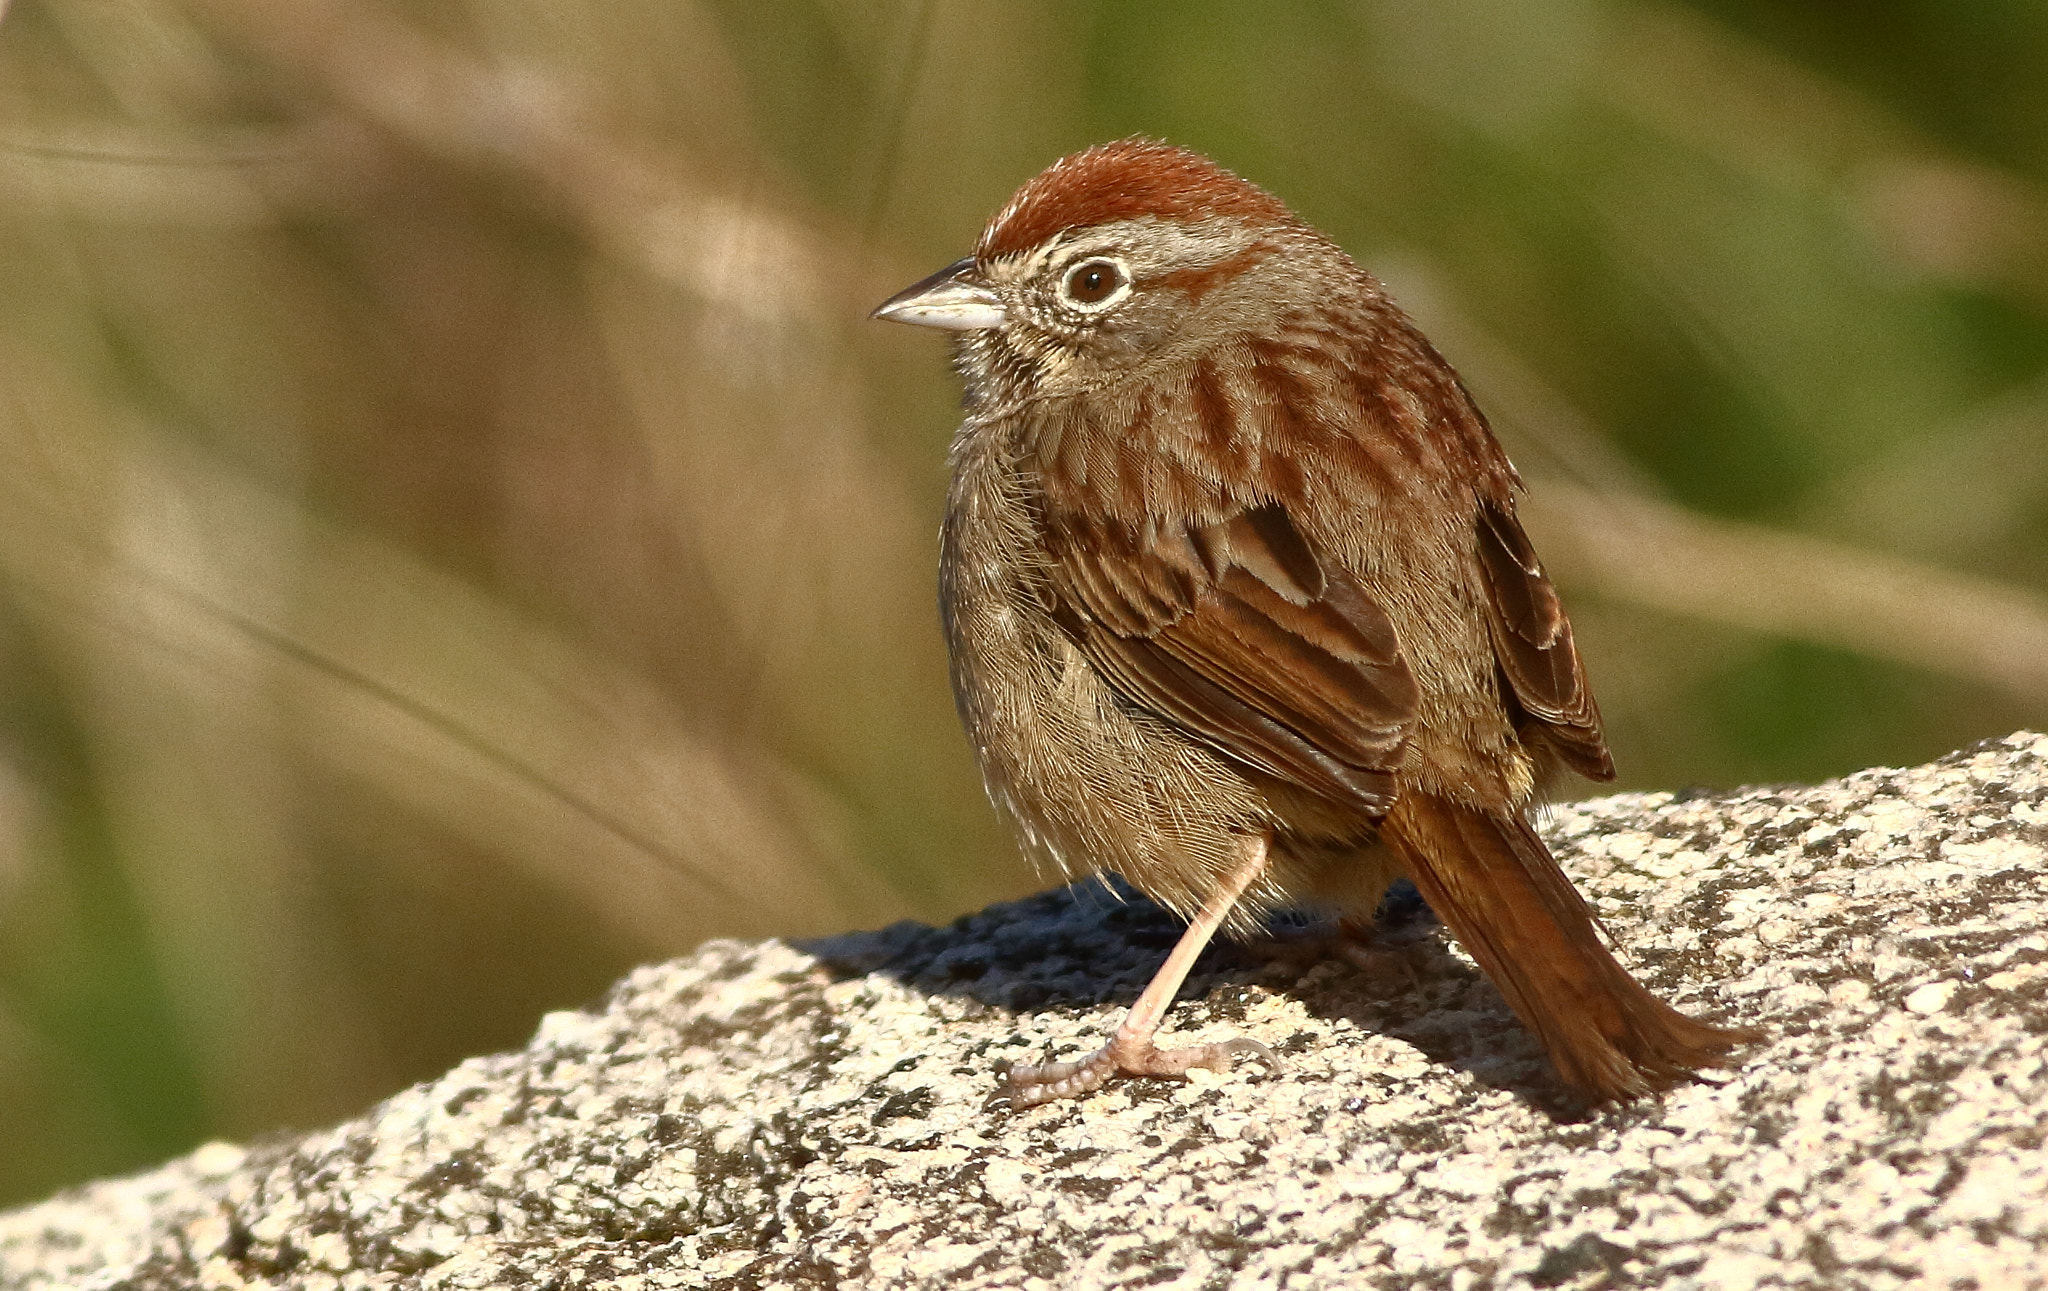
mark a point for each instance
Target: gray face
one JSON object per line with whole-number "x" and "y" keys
{"x": 1104, "y": 304}
{"x": 1115, "y": 305}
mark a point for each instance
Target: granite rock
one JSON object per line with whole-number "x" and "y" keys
{"x": 768, "y": 1115}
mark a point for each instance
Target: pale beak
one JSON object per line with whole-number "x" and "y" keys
{"x": 951, "y": 298}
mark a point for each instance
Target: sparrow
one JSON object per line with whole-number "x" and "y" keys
{"x": 1238, "y": 606}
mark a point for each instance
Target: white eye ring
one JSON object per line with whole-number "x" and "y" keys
{"x": 1095, "y": 284}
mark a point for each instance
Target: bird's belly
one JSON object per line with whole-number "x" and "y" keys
{"x": 1094, "y": 782}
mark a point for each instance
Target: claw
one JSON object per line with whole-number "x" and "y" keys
{"x": 1131, "y": 1050}
{"x": 1028, "y": 1086}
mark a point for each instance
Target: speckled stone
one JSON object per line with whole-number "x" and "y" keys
{"x": 773, "y": 1116}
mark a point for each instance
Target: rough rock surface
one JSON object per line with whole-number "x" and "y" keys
{"x": 764, "y": 1115}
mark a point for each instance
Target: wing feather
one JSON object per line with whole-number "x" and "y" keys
{"x": 1532, "y": 640}
{"x": 1242, "y": 636}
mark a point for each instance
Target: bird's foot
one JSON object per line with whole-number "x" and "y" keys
{"x": 1028, "y": 1086}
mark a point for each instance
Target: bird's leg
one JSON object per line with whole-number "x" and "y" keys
{"x": 1132, "y": 1050}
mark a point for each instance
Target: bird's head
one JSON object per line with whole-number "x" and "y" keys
{"x": 1127, "y": 256}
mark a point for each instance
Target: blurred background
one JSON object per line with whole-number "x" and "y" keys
{"x": 460, "y": 536}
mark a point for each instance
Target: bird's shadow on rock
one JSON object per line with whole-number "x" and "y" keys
{"x": 1096, "y": 943}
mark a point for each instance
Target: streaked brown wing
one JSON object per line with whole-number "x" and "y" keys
{"x": 1238, "y": 634}
{"x": 1532, "y": 639}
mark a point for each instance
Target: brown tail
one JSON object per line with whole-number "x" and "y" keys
{"x": 1498, "y": 887}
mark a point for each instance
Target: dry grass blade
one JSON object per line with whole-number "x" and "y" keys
{"x": 739, "y": 251}
{"x": 1663, "y": 556}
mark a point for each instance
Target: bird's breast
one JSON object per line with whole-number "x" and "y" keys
{"x": 1092, "y": 781}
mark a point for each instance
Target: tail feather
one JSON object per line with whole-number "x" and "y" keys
{"x": 1491, "y": 879}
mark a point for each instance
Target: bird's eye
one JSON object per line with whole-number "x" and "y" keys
{"x": 1095, "y": 284}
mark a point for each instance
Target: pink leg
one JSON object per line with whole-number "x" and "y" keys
{"x": 1131, "y": 1050}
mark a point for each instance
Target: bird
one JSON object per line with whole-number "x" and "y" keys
{"x": 1238, "y": 605}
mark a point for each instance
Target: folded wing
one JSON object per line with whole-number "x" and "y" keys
{"x": 1243, "y": 636}
{"x": 1532, "y": 640}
